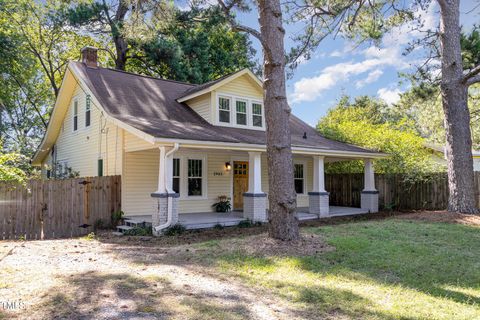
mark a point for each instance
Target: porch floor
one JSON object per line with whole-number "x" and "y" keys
{"x": 202, "y": 220}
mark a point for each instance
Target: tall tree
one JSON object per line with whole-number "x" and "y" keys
{"x": 45, "y": 34}
{"x": 454, "y": 88}
{"x": 370, "y": 19}
{"x": 282, "y": 203}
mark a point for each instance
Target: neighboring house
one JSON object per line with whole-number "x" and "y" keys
{"x": 439, "y": 155}
{"x": 179, "y": 147}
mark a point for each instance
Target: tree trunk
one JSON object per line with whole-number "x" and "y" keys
{"x": 121, "y": 46}
{"x": 457, "y": 116}
{"x": 282, "y": 198}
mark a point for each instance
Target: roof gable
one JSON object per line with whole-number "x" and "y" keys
{"x": 216, "y": 84}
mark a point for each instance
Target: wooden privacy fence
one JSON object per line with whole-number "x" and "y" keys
{"x": 46, "y": 209}
{"x": 395, "y": 192}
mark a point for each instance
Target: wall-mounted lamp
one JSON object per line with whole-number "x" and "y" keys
{"x": 228, "y": 166}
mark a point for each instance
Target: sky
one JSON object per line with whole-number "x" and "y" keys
{"x": 337, "y": 68}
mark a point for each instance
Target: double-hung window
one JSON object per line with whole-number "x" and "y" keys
{"x": 176, "y": 175}
{"x": 241, "y": 108}
{"x": 224, "y": 109}
{"x": 195, "y": 177}
{"x": 87, "y": 111}
{"x": 299, "y": 179}
{"x": 257, "y": 114}
{"x": 75, "y": 115}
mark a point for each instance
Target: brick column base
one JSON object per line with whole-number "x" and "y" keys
{"x": 160, "y": 209}
{"x": 369, "y": 201}
{"x": 255, "y": 207}
{"x": 318, "y": 203}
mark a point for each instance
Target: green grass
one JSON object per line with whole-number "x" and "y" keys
{"x": 390, "y": 269}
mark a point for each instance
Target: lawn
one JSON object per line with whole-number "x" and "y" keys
{"x": 395, "y": 268}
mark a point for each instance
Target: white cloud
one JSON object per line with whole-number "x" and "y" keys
{"x": 372, "y": 77}
{"x": 390, "y": 96}
{"x": 375, "y": 59}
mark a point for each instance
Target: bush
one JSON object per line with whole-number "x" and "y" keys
{"x": 174, "y": 230}
{"x": 218, "y": 226}
{"x": 139, "y": 231}
{"x": 117, "y": 216}
{"x": 245, "y": 224}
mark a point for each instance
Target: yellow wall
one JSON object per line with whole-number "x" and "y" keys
{"x": 140, "y": 179}
{"x": 243, "y": 86}
{"x": 82, "y": 148}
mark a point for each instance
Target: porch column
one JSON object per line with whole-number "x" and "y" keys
{"x": 164, "y": 197}
{"x": 369, "y": 196}
{"x": 318, "y": 198}
{"x": 254, "y": 200}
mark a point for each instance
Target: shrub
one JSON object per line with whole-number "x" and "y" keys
{"x": 245, "y": 224}
{"x": 139, "y": 231}
{"x": 175, "y": 230}
{"x": 117, "y": 216}
{"x": 223, "y": 204}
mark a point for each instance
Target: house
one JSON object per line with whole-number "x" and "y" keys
{"x": 179, "y": 146}
{"x": 439, "y": 155}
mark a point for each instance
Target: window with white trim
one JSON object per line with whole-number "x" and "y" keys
{"x": 241, "y": 112}
{"x": 87, "y": 110}
{"x": 176, "y": 175}
{"x": 257, "y": 114}
{"x": 194, "y": 177}
{"x": 299, "y": 178}
{"x": 75, "y": 115}
{"x": 224, "y": 109}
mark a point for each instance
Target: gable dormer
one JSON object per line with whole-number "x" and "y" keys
{"x": 232, "y": 101}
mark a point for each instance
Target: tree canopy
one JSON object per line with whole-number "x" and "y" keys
{"x": 370, "y": 123}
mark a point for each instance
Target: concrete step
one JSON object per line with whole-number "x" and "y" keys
{"x": 116, "y": 233}
{"x": 122, "y": 229}
{"x": 134, "y": 223}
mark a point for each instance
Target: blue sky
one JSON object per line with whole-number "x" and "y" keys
{"x": 336, "y": 68}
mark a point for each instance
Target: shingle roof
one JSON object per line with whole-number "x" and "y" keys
{"x": 149, "y": 105}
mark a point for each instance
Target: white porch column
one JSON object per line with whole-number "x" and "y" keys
{"x": 318, "y": 198}
{"x": 165, "y": 199}
{"x": 369, "y": 196}
{"x": 254, "y": 201}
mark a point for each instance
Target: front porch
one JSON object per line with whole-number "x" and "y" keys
{"x": 204, "y": 220}
{"x": 188, "y": 181}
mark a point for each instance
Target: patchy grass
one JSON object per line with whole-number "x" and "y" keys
{"x": 418, "y": 266}
{"x": 388, "y": 269}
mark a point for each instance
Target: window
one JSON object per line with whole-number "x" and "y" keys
{"x": 224, "y": 109}
{"x": 241, "y": 112}
{"x": 195, "y": 177}
{"x": 257, "y": 114}
{"x": 298, "y": 178}
{"x": 87, "y": 111}
{"x": 176, "y": 175}
{"x": 100, "y": 167}
{"x": 75, "y": 115}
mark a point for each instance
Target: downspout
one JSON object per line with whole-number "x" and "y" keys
{"x": 169, "y": 191}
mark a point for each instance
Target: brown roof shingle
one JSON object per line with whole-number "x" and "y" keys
{"x": 149, "y": 105}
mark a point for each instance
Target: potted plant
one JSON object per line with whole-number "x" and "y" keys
{"x": 223, "y": 204}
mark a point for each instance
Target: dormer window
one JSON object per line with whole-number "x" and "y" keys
{"x": 224, "y": 109}
{"x": 240, "y": 112}
{"x": 257, "y": 114}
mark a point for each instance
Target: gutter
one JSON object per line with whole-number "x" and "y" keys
{"x": 167, "y": 224}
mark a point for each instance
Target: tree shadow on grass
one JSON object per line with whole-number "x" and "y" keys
{"x": 92, "y": 295}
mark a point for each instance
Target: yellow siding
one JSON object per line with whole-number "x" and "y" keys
{"x": 201, "y": 105}
{"x": 82, "y": 148}
{"x": 242, "y": 86}
{"x": 134, "y": 143}
{"x": 141, "y": 175}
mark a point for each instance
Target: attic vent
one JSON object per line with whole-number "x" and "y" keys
{"x": 305, "y": 135}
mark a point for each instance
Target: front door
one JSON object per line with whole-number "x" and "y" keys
{"x": 240, "y": 183}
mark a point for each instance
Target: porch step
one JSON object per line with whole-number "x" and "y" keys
{"x": 207, "y": 225}
{"x": 122, "y": 229}
{"x": 136, "y": 223}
